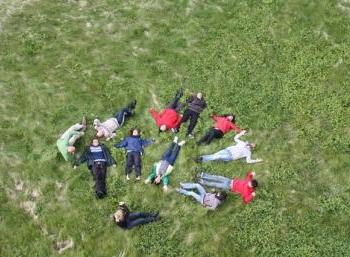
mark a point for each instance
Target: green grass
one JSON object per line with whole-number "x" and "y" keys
{"x": 281, "y": 66}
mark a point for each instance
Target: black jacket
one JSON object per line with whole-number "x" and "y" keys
{"x": 88, "y": 157}
{"x": 195, "y": 104}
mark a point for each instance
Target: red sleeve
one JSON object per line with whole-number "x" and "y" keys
{"x": 248, "y": 198}
{"x": 250, "y": 175}
{"x": 155, "y": 115}
{"x": 235, "y": 128}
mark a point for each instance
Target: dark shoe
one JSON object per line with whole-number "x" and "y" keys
{"x": 132, "y": 104}
{"x": 198, "y": 159}
{"x": 179, "y": 93}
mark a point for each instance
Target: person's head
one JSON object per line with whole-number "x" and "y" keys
{"x": 134, "y": 132}
{"x": 119, "y": 215}
{"x": 95, "y": 142}
{"x": 71, "y": 149}
{"x": 221, "y": 196}
{"x": 99, "y": 133}
{"x": 252, "y": 146}
{"x": 199, "y": 95}
{"x": 231, "y": 117}
{"x": 253, "y": 183}
{"x": 162, "y": 128}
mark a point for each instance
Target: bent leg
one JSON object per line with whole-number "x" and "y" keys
{"x": 224, "y": 155}
{"x": 196, "y": 196}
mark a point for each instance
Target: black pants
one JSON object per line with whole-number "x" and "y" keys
{"x": 210, "y": 135}
{"x": 138, "y": 218}
{"x": 133, "y": 159}
{"x": 193, "y": 117}
{"x": 99, "y": 171}
{"x": 174, "y": 104}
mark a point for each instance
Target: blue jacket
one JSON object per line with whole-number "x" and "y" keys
{"x": 134, "y": 144}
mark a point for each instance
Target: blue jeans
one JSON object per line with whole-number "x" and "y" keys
{"x": 215, "y": 181}
{"x": 224, "y": 155}
{"x": 139, "y": 218}
{"x": 171, "y": 153}
{"x": 188, "y": 186}
{"x": 123, "y": 114}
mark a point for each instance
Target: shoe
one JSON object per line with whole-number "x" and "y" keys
{"x": 132, "y": 104}
{"x": 127, "y": 177}
{"x": 182, "y": 143}
{"x": 147, "y": 181}
{"x": 138, "y": 178}
{"x": 190, "y": 136}
{"x": 179, "y": 93}
{"x": 199, "y": 159}
{"x": 176, "y": 139}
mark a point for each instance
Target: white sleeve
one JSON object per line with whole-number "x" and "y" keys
{"x": 249, "y": 159}
{"x": 237, "y": 137}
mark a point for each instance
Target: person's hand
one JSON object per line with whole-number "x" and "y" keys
{"x": 259, "y": 160}
{"x": 165, "y": 188}
{"x": 253, "y": 194}
{"x": 253, "y": 174}
{"x": 244, "y": 132}
{"x": 75, "y": 167}
{"x": 121, "y": 203}
{"x": 157, "y": 180}
{"x": 114, "y": 165}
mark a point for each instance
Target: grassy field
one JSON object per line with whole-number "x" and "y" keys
{"x": 281, "y": 66}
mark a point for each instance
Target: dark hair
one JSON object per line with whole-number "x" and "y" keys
{"x": 132, "y": 130}
{"x": 221, "y": 196}
{"x": 254, "y": 183}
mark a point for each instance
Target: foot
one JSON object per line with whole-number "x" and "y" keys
{"x": 179, "y": 93}
{"x": 199, "y": 159}
{"x": 190, "y": 136}
{"x": 175, "y": 139}
{"x": 199, "y": 176}
{"x": 132, "y": 104}
{"x": 147, "y": 181}
{"x": 138, "y": 178}
{"x": 178, "y": 190}
{"x": 174, "y": 130}
{"x": 127, "y": 177}
{"x": 182, "y": 143}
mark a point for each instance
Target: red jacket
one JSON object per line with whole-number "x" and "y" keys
{"x": 241, "y": 187}
{"x": 225, "y": 125}
{"x": 168, "y": 117}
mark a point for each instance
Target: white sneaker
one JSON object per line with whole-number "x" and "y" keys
{"x": 127, "y": 177}
{"x": 176, "y": 139}
{"x": 182, "y": 143}
{"x": 190, "y": 136}
{"x": 138, "y": 178}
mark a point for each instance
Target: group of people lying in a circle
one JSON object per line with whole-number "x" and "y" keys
{"x": 98, "y": 157}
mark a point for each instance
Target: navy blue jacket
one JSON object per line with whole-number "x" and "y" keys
{"x": 88, "y": 157}
{"x": 134, "y": 144}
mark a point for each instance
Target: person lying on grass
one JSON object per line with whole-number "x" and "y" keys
{"x": 240, "y": 150}
{"x": 161, "y": 170}
{"x": 65, "y": 143}
{"x": 223, "y": 125}
{"x": 107, "y": 128}
{"x": 195, "y": 105}
{"x": 97, "y": 157}
{"x": 208, "y": 200}
{"x": 244, "y": 187}
{"x": 126, "y": 219}
{"x": 134, "y": 146}
{"x": 169, "y": 118}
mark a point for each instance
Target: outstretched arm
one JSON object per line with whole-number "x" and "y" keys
{"x": 237, "y": 137}
{"x": 250, "y": 175}
{"x": 235, "y": 128}
{"x": 147, "y": 142}
{"x": 251, "y": 161}
{"x": 121, "y": 144}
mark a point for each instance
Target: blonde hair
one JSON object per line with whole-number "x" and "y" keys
{"x": 119, "y": 215}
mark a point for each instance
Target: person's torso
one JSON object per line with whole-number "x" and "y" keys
{"x": 223, "y": 124}
{"x": 134, "y": 144}
{"x": 239, "y": 151}
{"x": 196, "y": 105}
{"x": 63, "y": 143}
{"x": 169, "y": 118}
{"x": 162, "y": 167}
{"x": 97, "y": 153}
{"x": 111, "y": 124}
{"x": 210, "y": 200}
{"x": 241, "y": 186}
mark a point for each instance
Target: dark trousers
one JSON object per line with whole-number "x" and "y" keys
{"x": 170, "y": 155}
{"x": 193, "y": 117}
{"x": 138, "y": 218}
{"x": 124, "y": 113}
{"x": 210, "y": 135}
{"x": 99, "y": 171}
{"x": 174, "y": 104}
{"x": 133, "y": 159}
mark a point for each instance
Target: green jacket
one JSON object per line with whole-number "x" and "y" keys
{"x": 63, "y": 143}
{"x": 153, "y": 175}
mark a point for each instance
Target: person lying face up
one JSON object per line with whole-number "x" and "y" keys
{"x": 162, "y": 169}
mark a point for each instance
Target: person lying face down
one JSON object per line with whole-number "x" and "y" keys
{"x": 244, "y": 187}
{"x": 223, "y": 125}
{"x": 240, "y": 150}
{"x": 134, "y": 146}
{"x": 208, "y": 200}
{"x": 107, "y": 128}
{"x": 162, "y": 169}
{"x": 65, "y": 143}
{"x": 126, "y": 219}
{"x": 169, "y": 119}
